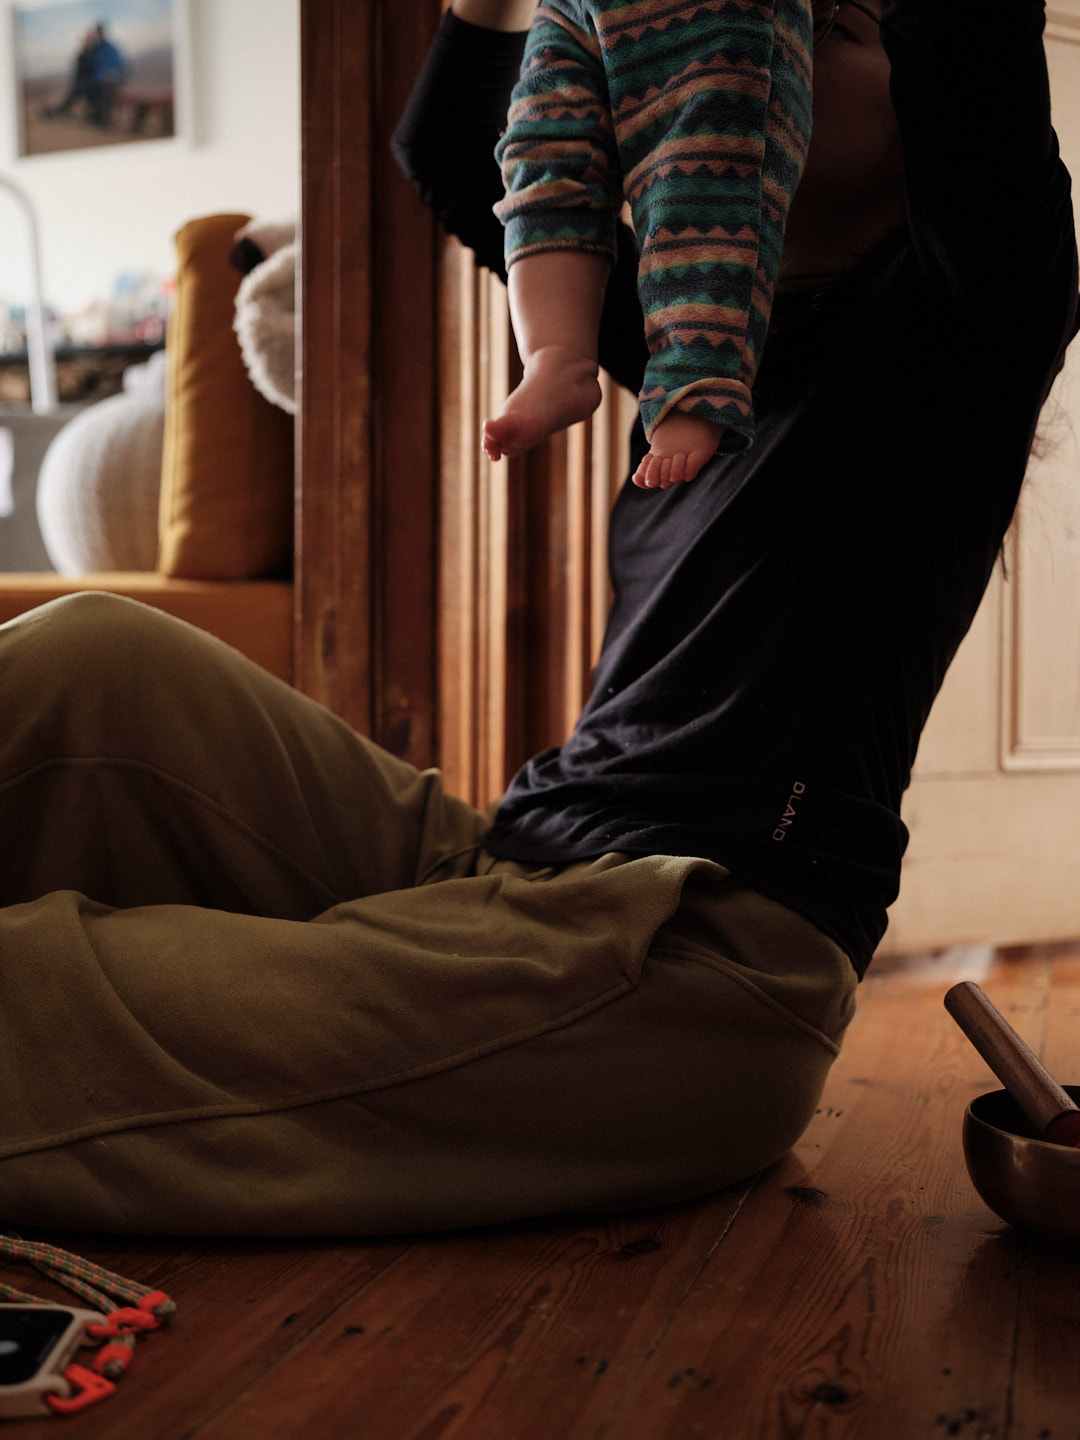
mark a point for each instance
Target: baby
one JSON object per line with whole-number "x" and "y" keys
{"x": 696, "y": 112}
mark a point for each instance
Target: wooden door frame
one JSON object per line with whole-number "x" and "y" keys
{"x": 446, "y": 607}
{"x": 367, "y": 425}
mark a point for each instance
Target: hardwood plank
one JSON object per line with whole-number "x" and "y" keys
{"x": 1060, "y": 1051}
{"x": 841, "y": 1303}
{"x": 1045, "y": 1394}
{"x": 488, "y": 1335}
{"x": 1046, "y": 1373}
{"x": 242, "y": 1308}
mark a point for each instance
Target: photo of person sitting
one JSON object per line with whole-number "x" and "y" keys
{"x": 99, "y": 71}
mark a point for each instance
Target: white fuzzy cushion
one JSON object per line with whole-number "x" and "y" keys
{"x": 266, "y": 326}
{"x": 97, "y": 498}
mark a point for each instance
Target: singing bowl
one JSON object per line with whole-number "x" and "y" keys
{"x": 1032, "y": 1184}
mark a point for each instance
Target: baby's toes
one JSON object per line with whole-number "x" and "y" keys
{"x": 694, "y": 461}
{"x": 676, "y": 471}
{"x": 488, "y": 441}
{"x": 647, "y": 474}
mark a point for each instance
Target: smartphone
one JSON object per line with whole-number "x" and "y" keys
{"x": 36, "y": 1343}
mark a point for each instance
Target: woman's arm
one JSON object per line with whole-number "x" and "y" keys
{"x": 988, "y": 197}
{"x": 445, "y": 143}
{"x": 504, "y": 15}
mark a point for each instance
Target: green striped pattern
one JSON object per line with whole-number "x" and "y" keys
{"x": 698, "y": 114}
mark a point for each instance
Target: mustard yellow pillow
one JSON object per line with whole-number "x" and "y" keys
{"x": 227, "y": 471}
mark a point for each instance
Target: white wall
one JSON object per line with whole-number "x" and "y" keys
{"x": 115, "y": 209}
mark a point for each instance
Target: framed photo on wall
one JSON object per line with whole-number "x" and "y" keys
{"x": 93, "y": 73}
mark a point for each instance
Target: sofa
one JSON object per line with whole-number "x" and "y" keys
{"x": 225, "y": 516}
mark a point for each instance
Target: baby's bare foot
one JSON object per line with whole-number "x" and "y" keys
{"x": 680, "y": 446}
{"x": 559, "y": 388}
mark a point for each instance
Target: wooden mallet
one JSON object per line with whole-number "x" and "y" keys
{"x": 1054, "y": 1115}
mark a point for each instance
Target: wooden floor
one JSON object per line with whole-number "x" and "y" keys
{"x": 859, "y": 1289}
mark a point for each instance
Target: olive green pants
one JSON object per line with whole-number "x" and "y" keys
{"x": 257, "y": 977}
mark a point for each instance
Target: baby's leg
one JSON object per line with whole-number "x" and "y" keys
{"x": 555, "y": 301}
{"x": 680, "y": 446}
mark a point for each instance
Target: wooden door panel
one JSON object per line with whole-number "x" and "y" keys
{"x": 523, "y": 582}
{"x": 951, "y": 745}
{"x": 366, "y": 434}
{"x": 474, "y": 532}
{"x": 1041, "y": 637}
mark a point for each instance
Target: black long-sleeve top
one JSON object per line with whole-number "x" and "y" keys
{"x": 782, "y": 625}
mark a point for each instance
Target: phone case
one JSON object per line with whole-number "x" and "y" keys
{"x": 28, "y": 1397}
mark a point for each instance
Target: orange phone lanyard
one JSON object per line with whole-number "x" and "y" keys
{"x": 129, "y": 1309}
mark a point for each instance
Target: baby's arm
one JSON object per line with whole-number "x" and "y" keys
{"x": 559, "y": 160}
{"x": 562, "y": 196}
{"x": 708, "y": 183}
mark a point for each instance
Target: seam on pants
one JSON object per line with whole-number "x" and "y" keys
{"x": 430, "y": 875}
{"x": 737, "y": 978}
{"x": 78, "y": 762}
{"x": 319, "y": 1097}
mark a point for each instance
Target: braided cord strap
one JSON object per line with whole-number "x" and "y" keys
{"x": 8, "y": 1292}
{"x": 103, "y": 1289}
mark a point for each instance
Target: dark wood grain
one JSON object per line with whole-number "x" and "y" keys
{"x": 243, "y": 1308}
{"x": 335, "y": 424}
{"x": 861, "y": 1292}
{"x": 367, "y": 442}
{"x": 402, "y": 546}
{"x": 532, "y": 1323}
{"x": 1046, "y": 1367}
{"x": 523, "y": 586}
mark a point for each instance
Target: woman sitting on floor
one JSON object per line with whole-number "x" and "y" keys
{"x": 260, "y": 977}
